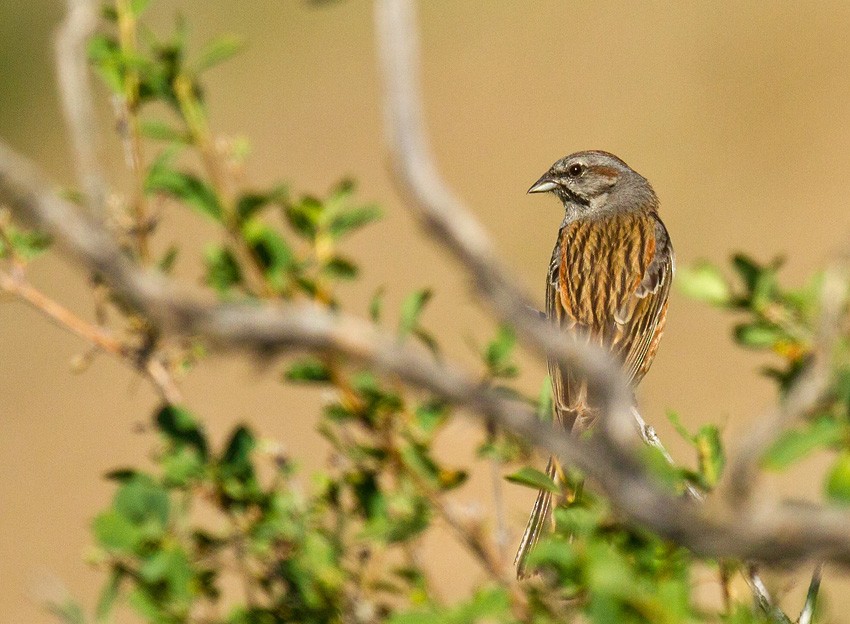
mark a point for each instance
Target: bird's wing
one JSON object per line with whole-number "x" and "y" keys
{"x": 608, "y": 281}
{"x": 640, "y": 321}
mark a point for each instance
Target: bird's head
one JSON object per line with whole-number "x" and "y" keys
{"x": 595, "y": 182}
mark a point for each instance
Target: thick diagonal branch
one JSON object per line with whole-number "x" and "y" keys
{"x": 778, "y": 534}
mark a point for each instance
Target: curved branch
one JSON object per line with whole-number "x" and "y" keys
{"x": 782, "y": 533}
{"x": 75, "y": 89}
{"x": 452, "y": 224}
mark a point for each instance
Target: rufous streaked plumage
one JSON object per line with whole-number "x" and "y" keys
{"x": 608, "y": 282}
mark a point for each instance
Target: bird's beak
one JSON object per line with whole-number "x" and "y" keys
{"x": 543, "y": 185}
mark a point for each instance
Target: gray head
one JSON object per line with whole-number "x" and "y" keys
{"x": 596, "y": 182}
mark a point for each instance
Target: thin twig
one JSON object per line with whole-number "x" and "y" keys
{"x": 100, "y": 337}
{"x": 651, "y": 439}
{"x": 202, "y": 136}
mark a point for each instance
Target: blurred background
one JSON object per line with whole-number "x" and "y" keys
{"x": 736, "y": 112}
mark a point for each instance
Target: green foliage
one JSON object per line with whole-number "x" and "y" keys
{"x": 838, "y": 479}
{"x": 24, "y": 245}
{"x": 609, "y": 572}
{"x": 498, "y": 356}
{"x": 710, "y": 455}
{"x": 799, "y": 442}
{"x": 785, "y": 322}
{"x": 532, "y": 478}
{"x": 187, "y": 187}
{"x": 409, "y": 322}
{"x": 776, "y": 319}
{"x": 345, "y": 544}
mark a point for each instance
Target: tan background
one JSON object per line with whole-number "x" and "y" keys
{"x": 737, "y": 113}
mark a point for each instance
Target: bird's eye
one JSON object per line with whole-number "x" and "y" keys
{"x": 575, "y": 170}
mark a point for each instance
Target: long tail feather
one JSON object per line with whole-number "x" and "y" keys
{"x": 539, "y": 516}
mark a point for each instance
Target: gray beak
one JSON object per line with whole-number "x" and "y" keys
{"x": 543, "y": 185}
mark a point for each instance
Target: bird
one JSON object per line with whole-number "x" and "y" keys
{"x": 607, "y": 283}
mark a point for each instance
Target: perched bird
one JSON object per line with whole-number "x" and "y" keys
{"x": 608, "y": 282}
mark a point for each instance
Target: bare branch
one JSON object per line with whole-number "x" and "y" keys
{"x": 75, "y": 89}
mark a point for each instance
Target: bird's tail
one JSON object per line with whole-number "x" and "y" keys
{"x": 539, "y": 516}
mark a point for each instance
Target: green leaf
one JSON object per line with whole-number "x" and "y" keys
{"x": 376, "y": 304}
{"x": 28, "y": 244}
{"x": 795, "y": 444}
{"x": 114, "y": 531}
{"x": 304, "y": 216}
{"x": 146, "y": 606}
{"x": 399, "y": 517}
{"x": 838, "y": 480}
{"x": 181, "y": 428}
{"x": 340, "y": 268}
{"x": 533, "y": 478}
{"x": 704, "y": 282}
{"x": 431, "y": 415}
{"x": 272, "y": 250}
{"x": 491, "y": 604}
{"x": 181, "y": 466}
{"x": 676, "y": 421}
{"x": 105, "y": 54}
{"x": 757, "y": 335}
{"x": 411, "y": 310}
{"x": 161, "y": 131}
{"x": 222, "y": 269}
{"x": 710, "y": 455}
{"x": 748, "y": 270}
{"x": 170, "y": 566}
{"x": 186, "y": 187}
{"x": 497, "y": 355}
{"x": 121, "y": 475}
{"x": 166, "y": 263}
{"x": 140, "y": 500}
{"x": 218, "y": 51}
{"x": 237, "y": 454}
{"x": 347, "y": 222}
{"x": 308, "y": 369}
{"x": 251, "y": 203}
{"x": 109, "y": 594}
{"x": 545, "y": 401}
{"x": 137, "y": 7}
{"x": 427, "y": 338}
